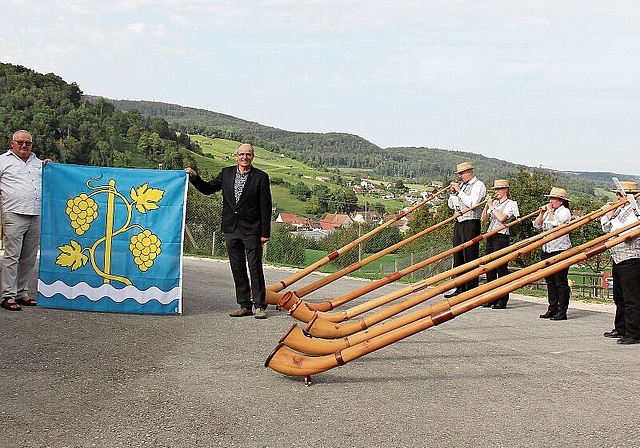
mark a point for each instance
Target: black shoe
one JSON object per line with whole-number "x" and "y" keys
{"x": 548, "y": 314}
{"x": 559, "y": 316}
{"x": 612, "y": 334}
{"x": 627, "y": 340}
{"x": 497, "y": 306}
{"x": 451, "y": 294}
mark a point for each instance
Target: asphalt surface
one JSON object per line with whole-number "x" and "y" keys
{"x": 488, "y": 378}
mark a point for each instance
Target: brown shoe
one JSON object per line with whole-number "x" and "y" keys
{"x": 11, "y": 306}
{"x": 260, "y": 314}
{"x": 240, "y": 312}
{"x": 26, "y": 301}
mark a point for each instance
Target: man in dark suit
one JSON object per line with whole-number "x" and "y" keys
{"x": 246, "y": 223}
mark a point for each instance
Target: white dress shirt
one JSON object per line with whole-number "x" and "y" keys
{"x": 20, "y": 184}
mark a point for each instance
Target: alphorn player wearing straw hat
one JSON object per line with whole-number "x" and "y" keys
{"x": 625, "y": 270}
{"x": 553, "y": 214}
{"x": 500, "y": 209}
{"x": 470, "y": 191}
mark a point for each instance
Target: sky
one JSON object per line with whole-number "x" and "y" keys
{"x": 553, "y": 84}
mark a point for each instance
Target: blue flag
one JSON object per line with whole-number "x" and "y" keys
{"x": 111, "y": 239}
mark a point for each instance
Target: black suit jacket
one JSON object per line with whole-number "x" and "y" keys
{"x": 252, "y": 214}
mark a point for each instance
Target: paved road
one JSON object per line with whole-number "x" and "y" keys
{"x": 490, "y": 378}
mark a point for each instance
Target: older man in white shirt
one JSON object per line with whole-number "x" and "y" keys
{"x": 20, "y": 196}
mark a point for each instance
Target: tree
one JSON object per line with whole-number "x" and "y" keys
{"x": 378, "y": 207}
{"x": 351, "y": 200}
{"x": 283, "y": 248}
{"x": 315, "y": 207}
{"x": 338, "y": 239}
{"x": 528, "y": 188}
{"x": 597, "y": 263}
{"x": 301, "y": 191}
{"x": 424, "y": 218}
{"x": 380, "y": 240}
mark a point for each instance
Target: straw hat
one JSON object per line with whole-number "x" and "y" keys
{"x": 500, "y": 183}
{"x": 629, "y": 186}
{"x": 464, "y": 166}
{"x": 557, "y": 192}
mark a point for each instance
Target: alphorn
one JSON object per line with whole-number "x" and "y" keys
{"x": 304, "y": 310}
{"x": 317, "y": 326}
{"x": 327, "y": 306}
{"x": 289, "y": 362}
{"x": 277, "y": 287}
{"x": 296, "y": 339}
{"x": 322, "y": 327}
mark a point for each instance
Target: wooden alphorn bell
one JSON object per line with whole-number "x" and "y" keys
{"x": 298, "y": 340}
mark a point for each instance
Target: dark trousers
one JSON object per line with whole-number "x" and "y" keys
{"x": 558, "y": 290}
{"x": 246, "y": 251}
{"x": 462, "y": 232}
{"x": 495, "y": 243}
{"x": 626, "y": 295}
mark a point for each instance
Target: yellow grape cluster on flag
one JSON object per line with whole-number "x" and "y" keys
{"x": 82, "y": 210}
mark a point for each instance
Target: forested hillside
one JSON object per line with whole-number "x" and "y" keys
{"x": 353, "y": 154}
{"x": 69, "y": 129}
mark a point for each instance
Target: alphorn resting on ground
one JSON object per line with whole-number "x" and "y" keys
{"x": 320, "y": 326}
{"x": 296, "y": 339}
{"x": 277, "y": 287}
{"x": 292, "y": 363}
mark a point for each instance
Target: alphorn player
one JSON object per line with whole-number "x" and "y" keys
{"x": 625, "y": 269}
{"x": 500, "y": 210}
{"x": 466, "y": 193}
{"x": 553, "y": 214}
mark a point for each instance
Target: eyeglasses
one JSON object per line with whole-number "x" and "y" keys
{"x": 244, "y": 154}
{"x": 23, "y": 142}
